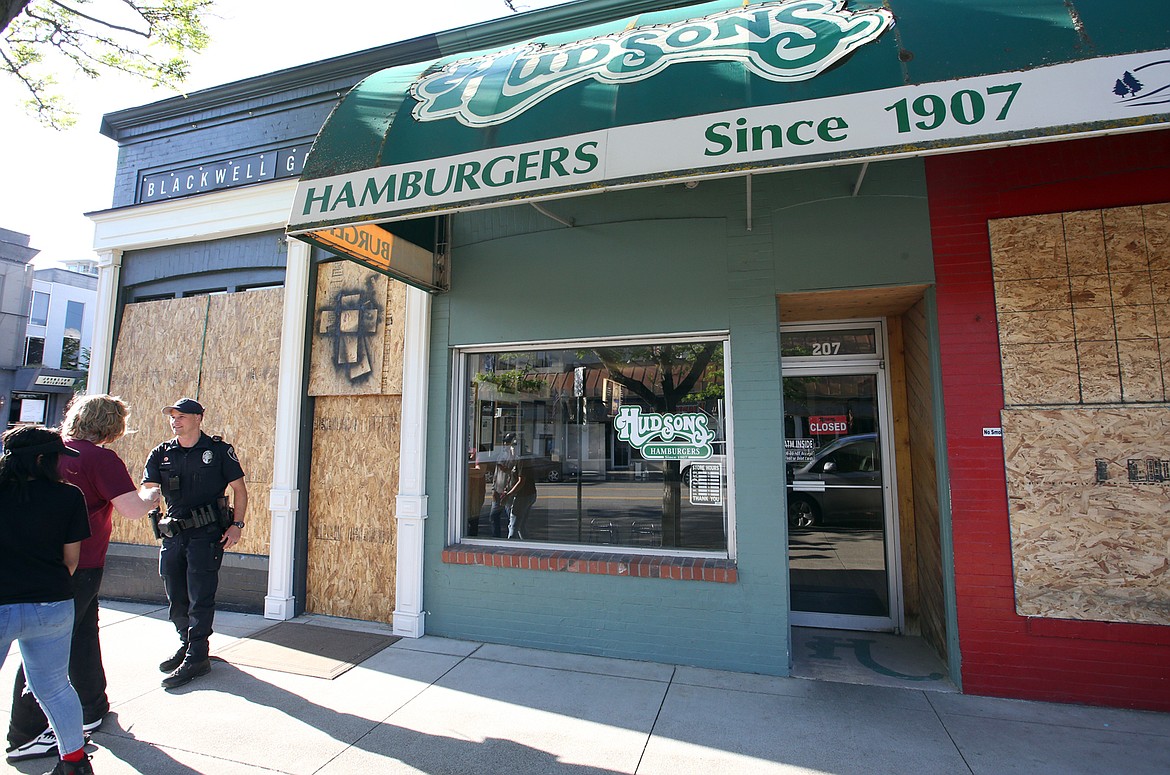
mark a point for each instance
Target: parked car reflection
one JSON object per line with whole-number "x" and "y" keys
{"x": 545, "y": 469}
{"x": 842, "y": 484}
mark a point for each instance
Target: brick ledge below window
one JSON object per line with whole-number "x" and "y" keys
{"x": 636, "y": 565}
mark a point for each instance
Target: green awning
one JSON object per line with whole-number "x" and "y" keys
{"x": 728, "y": 87}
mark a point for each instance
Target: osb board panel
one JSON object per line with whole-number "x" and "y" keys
{"x": 1037, "y": 327}
{"x": 1156, "y": 219}
{"x": 1084, "y": 549}
{"x": 1125, "y": 240}
{"x": 1100, "y": 377}
{"x": 395, "y": 338}
{"x": 239, "y": 353}
{"x": 155, "y": 362}
{"x": 1084, "y": 243}
{"x": 1047, "y": 293}
{"x": 1141, "y": 370}
{"x": 358, "y": 317}
{"x": 1028, "y": 247}
{"x": 1040, "y": 374}
{"x": 1080, "y": 300}
{"x": 931, "y": 608}
{"x": 903, "y": 474}
{"x": 241, "y": 374}
{"x": 352, "y": 491}
{"x": 833, "y": 305}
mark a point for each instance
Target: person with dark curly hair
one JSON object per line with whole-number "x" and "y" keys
{"x": 43, "y": 521}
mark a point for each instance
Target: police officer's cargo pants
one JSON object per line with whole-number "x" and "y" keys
{"x": 189, "y": 565}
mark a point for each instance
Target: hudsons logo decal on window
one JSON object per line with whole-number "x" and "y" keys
{"x": 664, "y": 436}
{"x": 790, "y": 40}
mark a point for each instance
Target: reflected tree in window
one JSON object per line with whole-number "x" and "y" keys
{"x": 665, "y": 377}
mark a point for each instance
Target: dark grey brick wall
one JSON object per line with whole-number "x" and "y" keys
{"x": 261, "y": 123}
{"x": 132, "y": 574}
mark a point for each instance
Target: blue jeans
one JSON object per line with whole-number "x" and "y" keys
{"x": 86, "y": 672}
{"x": 518, "y": 513}
{"x": 496, "y": 516}
{"x": 44, "y": 632}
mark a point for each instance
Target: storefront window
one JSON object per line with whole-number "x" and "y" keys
{"x": 616, "y": 445}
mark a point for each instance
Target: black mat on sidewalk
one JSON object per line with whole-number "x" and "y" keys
{"x": 305, "y": 649}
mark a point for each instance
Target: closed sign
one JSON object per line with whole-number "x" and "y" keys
{"x": 828, "y": 425}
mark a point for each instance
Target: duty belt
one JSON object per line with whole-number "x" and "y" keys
{"x": 200, "y": 516}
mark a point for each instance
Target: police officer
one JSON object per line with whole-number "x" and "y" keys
{"x": 193, "y": 470}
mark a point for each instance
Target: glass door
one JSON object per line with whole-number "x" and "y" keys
{"x": 842, "y": 526}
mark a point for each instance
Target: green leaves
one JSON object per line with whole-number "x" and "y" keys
{"x": 149, "y": 39}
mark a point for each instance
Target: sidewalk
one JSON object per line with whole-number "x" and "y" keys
{"x": 435, "y": 706}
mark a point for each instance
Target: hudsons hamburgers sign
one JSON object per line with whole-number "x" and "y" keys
{"x": 779, "y": 42}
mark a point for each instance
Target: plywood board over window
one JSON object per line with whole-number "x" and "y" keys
{"x": 356, "y": 375}
{"x": 354, "y": 483}
{"x": 1083, "y": 305}
{"x": 223, "y": 350}
{"x": 357, "y": 332}
{"x": 1087, "y": 491}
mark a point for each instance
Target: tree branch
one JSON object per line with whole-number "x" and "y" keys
{"x": 102, "y": 22}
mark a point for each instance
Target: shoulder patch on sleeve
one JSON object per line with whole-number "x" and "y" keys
{"x": 231, "y": 452}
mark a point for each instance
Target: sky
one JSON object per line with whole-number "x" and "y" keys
{"x": 50, "y": 178}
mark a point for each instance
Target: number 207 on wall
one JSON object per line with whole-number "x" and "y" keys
{"x": 966, "y": 106}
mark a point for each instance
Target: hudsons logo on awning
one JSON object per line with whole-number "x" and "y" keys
{"x": 791, "y": 40}
{"x": 664, "y": 436}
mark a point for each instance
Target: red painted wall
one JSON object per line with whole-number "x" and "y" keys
{"x": 1003, "y": 654}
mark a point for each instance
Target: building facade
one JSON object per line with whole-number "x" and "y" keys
{"x": 56, "y": 345}
{"x": 15, "y": 292}
{"x": 746, "y": 335}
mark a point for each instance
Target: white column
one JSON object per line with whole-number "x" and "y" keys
{"x": 101, "y": 348}
{"x": 411, "y": 506}
{"x": 283, "y": 498}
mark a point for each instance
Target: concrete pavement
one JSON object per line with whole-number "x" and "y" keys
{"x": 436, "y": 705}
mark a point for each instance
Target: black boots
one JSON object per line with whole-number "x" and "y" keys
{"x": 187, "y": 672}
{"x": 169, "y": 664}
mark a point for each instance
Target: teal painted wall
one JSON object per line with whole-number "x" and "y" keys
{"x": 828, "y": 238}
{"x": 650, "y": 261}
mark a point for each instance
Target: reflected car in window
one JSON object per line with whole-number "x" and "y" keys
{"x": 545, "y": 469}
{"x": 841, "y": 485}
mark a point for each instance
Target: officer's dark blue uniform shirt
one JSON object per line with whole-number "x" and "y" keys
{"x": 190, "y": 477}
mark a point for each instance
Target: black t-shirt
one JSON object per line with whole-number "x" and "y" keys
{"x": 33, "y": 533}
{"x": 190, "y": 477}
{"x": 525, "y": 472}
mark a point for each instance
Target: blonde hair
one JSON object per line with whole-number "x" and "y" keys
{"x": 100, "y": 419}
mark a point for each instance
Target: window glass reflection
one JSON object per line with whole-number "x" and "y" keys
{"x": 550, "y": 458}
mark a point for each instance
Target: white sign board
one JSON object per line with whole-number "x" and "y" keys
{"x": 1066, "y": 99}
{"x": 32, "y": 410}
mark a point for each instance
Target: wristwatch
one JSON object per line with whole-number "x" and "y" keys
{"x": 239, "y": 524}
